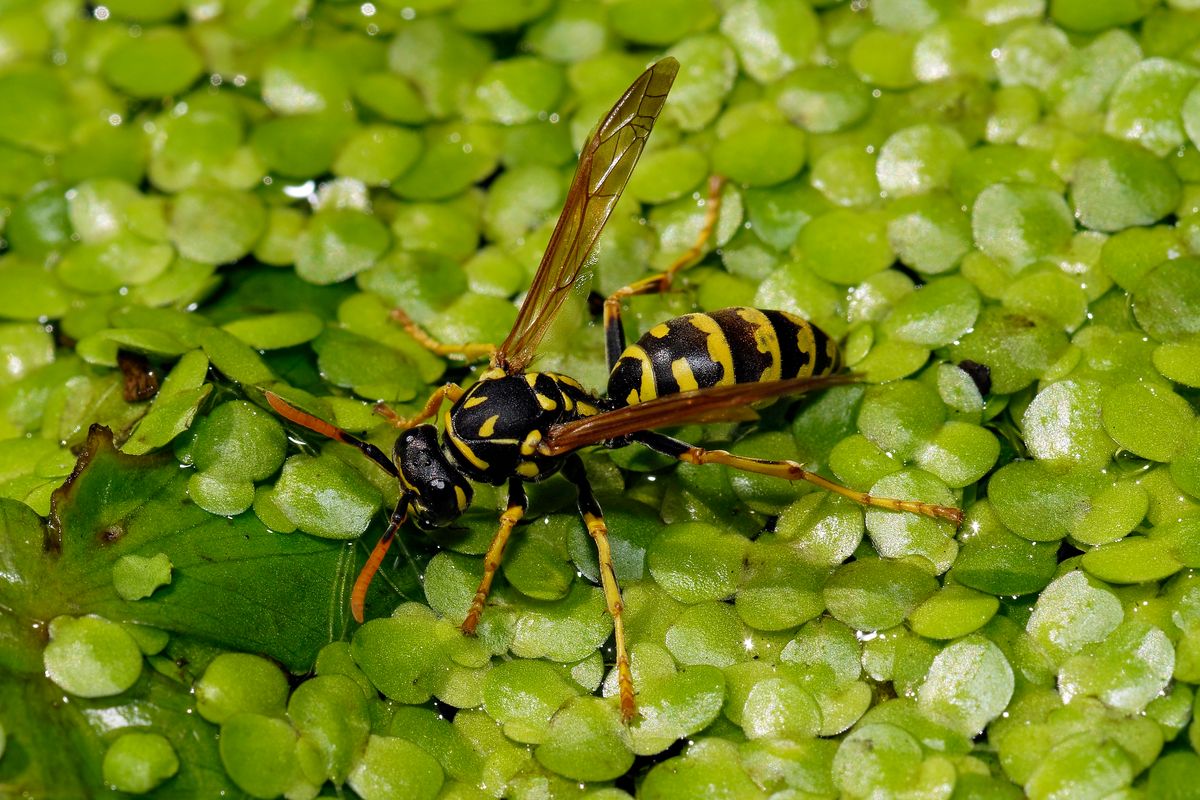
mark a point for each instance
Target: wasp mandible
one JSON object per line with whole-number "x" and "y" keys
{"x": 514, "y": 426}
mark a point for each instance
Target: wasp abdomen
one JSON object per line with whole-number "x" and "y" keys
{"x": 720, "y": 348}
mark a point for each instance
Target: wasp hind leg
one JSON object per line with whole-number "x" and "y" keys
{"x": 614, "y": 331}
{"x": 593, "y": 518}
{"x": 789, "y": 471}
{"x": 451, "y": 390}
{"x": 517, "y": 503}
{"x": 468, "y": 352}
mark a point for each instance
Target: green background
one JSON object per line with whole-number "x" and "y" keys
{"x": 994, "y": 205}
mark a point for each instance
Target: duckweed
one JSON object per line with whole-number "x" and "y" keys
{"x": 225, "y": 472}
{"x": 91, "y": 656}
{"x": 990, "y": 204}
{"x": 969, "y": 684}
{"x": 235, "y": 683}
{"x": 259, "y": 754}
{"x": 586, "y": 741}
{"x": 331, "y": 714}
{"x": 138, "y": 762}
{"x": 394, "y": 767}
{"x": 136, "y": 577}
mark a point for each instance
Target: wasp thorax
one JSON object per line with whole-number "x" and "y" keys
{"x": 438, "y": 493}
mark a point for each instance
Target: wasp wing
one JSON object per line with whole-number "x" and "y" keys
{"x": 701, "y": 405}
{"x": 604, "y": 168}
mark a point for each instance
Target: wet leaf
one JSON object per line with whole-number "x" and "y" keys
{"x": 233, "y": 582}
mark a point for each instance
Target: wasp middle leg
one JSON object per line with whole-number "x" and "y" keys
{"x": 469, "y": 351}
{"x": 614, "y": 331}
{"x": 593, "y": 518}
{"x": 790, "y": 471}
{"x": 517, "y": 503}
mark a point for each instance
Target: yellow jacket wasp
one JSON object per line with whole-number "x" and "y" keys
{"x": 514, "y": 426}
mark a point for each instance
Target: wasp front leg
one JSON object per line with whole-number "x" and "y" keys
{"x": 593, "y": 518}
{"x": 452, "y": 391}
{"x": 517, "y": 503}
{"x": 614, "y": 331}
{"x": 789, "y": 471}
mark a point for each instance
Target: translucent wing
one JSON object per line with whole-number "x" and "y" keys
{"x": 702, "y": 405}
{"x": 604, "y": 168}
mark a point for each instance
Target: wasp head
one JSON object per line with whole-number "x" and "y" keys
{"x": 438, "y": 493}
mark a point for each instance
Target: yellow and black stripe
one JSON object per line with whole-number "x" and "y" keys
{"x": 493, "y": 430}
{"x": 721, "y": 348}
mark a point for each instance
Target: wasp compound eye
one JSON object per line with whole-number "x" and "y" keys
{"x": 439, "y": 493}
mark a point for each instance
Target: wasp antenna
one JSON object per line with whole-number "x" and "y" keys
{"x": 304, "y": 420}
{"x": 358, "y": 595}
{"x": 332, "y": 431}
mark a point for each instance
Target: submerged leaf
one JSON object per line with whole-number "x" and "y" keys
{"x": 233, "y": 582}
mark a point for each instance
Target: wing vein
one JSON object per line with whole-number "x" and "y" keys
{"x": 597, "y": 186}
{"x": 701, "y": 405}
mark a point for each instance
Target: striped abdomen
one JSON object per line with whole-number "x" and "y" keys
{"x": 733, "y": 345}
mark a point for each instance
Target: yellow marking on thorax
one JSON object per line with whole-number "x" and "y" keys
{"x": 584, "y": 408}
{"x": 488, "y": 427}
{"x": 807, "y": 344}
{"x": 531, "y": 378}
{"x": 718, "y": 345}
{"x": 528, "y": 469}
{"x": 478, "y": 399}
{"x": 492, "y": 374}
{"x": 682, "y": 371}
{"x": 568, "y": 380}
{"x": 659, "y": 331}
{"x": 462, "y": 498}
{"x": 766, "y": 339}
{"x": 467, "y": 453}
{"x": 462, "y": 447}
{"x": 529, "y": 446}
{"x": 546, "y": 402}
{"x": 633, "y": 398}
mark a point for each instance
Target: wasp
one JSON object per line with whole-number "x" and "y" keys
{"x": 515, "y": 426}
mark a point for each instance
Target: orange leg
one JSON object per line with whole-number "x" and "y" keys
{"x": 593, "y": 518}
{"x": 660, "y": 283}
{"x": 469, "y": 352}
{"x": 450, "y": 390}
{"x": 598, "y": 530}
{"x": 791, "y": 471}
{"x": 517, "y": 503}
